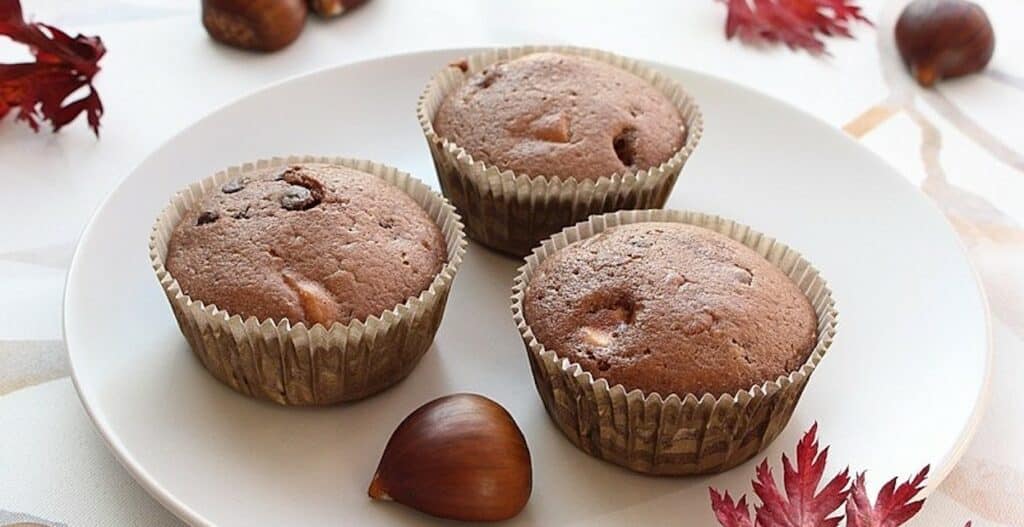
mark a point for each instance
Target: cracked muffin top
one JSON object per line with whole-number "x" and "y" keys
{"x": 310, "y": 243}
{"x": 561, "y": 115}
{"x": 670, "y": 308}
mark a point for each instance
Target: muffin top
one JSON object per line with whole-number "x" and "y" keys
{"x": 670, "y": 308}
{"x": 561, "y": 115}
{"x": 310, "y": 243}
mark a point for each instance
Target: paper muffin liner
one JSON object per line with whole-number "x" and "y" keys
{"x": 514, "y": 212}
{"x": 292, "y": 364}
{"x": 678, "y": 434}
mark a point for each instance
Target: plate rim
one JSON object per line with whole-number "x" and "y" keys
{"x": 185, "y": 513}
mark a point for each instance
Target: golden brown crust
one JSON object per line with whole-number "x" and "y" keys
{"x": 561, "y": 115}
{"x": 310, "y": 243}
{"x": 670, "y": 308}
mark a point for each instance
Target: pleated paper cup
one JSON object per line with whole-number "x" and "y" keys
{"x": 292, "y": 364}
{"x": 674, "y": 434}
{"x": 514, "y": 212}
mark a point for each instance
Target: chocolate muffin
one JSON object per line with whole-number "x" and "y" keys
{"x": 561, "y": 115}
{"x": 311, "y": 243}
{"x": 670, "y": 308}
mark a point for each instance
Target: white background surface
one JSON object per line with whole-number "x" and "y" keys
{"x": 162, "y": 73}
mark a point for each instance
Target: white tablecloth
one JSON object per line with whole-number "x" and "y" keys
{"x": 962, "y": 143}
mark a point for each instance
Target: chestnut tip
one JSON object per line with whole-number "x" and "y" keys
{"x": 376, "y": 490}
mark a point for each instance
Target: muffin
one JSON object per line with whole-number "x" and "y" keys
{"x": 529, "y": 140}
{"x": 670, "y": 342}
{"x": 308, "y": 280}
{"x": 309, "y": 243}
{"x": 670, "y": 308}
{"x": 566, "y": 116}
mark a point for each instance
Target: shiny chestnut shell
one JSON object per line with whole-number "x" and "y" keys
{"x": 941, "y": 39}
{"x": 459, "y": 457}
{"x": 264, "y": 25}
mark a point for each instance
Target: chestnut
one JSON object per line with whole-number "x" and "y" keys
{"x": 460, "y": 457}
{"x": 330, "y": 8}
{"x": 941, "y": 39}
{"x": 265, "y": 25}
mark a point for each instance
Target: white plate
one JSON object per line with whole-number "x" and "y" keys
{"x": 902, "y": 386}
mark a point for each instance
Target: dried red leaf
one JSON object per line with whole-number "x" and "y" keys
{"x": 802, "y": 505}
{"x": 796, "y": 23}
{"x": 892, "y": 507}
{"x": 730, "y": 514}
{"x": 40, "y": 90}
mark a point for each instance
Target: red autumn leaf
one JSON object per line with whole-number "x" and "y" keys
{"x": 802, "y": 505}
{"x": 796, "y": 23}
{"x": 63, "y": 65}
{"x": 893, "y": 506}
{"x": 730, "y": 514}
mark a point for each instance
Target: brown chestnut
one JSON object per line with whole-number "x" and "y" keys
{"x": 941, "y": 39}
{"x": 330, "y": 8}
{"x": 460, "y": 457}
{"x": 265, "y": 25}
